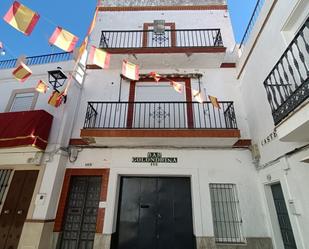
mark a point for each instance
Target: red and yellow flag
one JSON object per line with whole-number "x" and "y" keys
{"x": 130, "y": 70}
{"x": 56, "y": 99}
{"x": 83, "y": 47}
{"x": 22, "y": 72}
{"x": 157, "y": 77}
{"x": 99, "y": 57}
{"x": 177, "y": 86}
{"x": 21, "y": 18}
{"x": 63, "y": 39}
{"x": 41, "y": 87}
{"x": 214, "y": 101}
{"x": 198, "y": 96}
{"x": 94, "y": 20}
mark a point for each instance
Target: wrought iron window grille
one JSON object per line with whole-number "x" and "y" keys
{"x": 226, "y": 214}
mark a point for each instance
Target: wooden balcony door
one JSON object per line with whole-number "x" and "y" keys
{"x": 15, "y": 208}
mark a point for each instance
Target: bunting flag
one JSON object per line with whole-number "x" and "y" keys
{"x": 214, "y": 101}
{"x": 157, "y": 77}
{"x": 41, "y": 87}
{"x": 63, "y": 39}
{"x": 83, "y": 47}
{"x": 56, "y": 99}
{"x": 130, "y": 70}
{"x": 99, "y": 57}
{"x": 94, "y": 20}
{"x": 177, "y": 86}
{"x": 22, "y": 72}
{"x": 198, "y": 96}
{"x": 21, "y": 18}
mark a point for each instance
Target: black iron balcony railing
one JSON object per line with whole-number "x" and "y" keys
{"x": 252, "y": 21}
{"x": 159, "y": 115}
{"x": 38, "y": 60}
{"x": 180, "y": 38}
{"x": 287, "y": 85}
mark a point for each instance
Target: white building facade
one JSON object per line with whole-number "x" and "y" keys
{"x": 136, "y": 164}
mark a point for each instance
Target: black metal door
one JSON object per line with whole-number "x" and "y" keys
{"x": 154, "y": 213}
{"x": 283, "y": 217}
{"x": 81, "y": 213}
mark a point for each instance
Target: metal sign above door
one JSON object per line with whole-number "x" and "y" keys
{"x": 154, "y": 158}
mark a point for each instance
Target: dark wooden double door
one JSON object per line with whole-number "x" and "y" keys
{"x": 15, "y": 208}
{"x": 79, "y": 225}
{"x": 154, "y": 213}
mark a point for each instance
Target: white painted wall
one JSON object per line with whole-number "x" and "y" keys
{"x": 203, "y": 166}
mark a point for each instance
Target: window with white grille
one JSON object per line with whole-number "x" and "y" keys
{"x": 226, "y": 213}
{"x": 22, "y": 100}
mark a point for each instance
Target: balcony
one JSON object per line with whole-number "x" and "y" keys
{"x": 148, "y": 123}
{"x": 201, "y": 47}
{"x": 287, "y": 88}
{"x": 180, "y": 40}
{"x": 38, "y": 60}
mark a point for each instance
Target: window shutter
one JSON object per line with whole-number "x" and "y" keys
{"x": 22, "y": 102}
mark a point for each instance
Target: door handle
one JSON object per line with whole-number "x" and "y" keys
{"x": 19, "y": 212}
{"x": 6, "y": 211}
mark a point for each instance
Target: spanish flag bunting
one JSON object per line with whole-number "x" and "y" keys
{"x": 155, "y": 76}
{"x": 214, "y": 101}
{"x": 99, "y": 57}
{"x": 130, "y": 70}
{"x": 55, "y": 99}
{"x": 21, "y": 18}
{"x": 41, "y": 87}
{"x": 198, "y": 96}
{"x": 92, "y": 25}
{"x": 177, "y": 86}
{"x": 22, "y": 72}
{"x": 63, "y": 39}
{"x": 83, "y": 47}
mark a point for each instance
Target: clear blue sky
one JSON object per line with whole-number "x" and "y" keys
{"x": 75, "y": 16}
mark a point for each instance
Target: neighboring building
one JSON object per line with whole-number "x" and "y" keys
{"x": 273, "y": 71}
{"x": 135, "y": 164}
{"x": 34, "y": 137}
